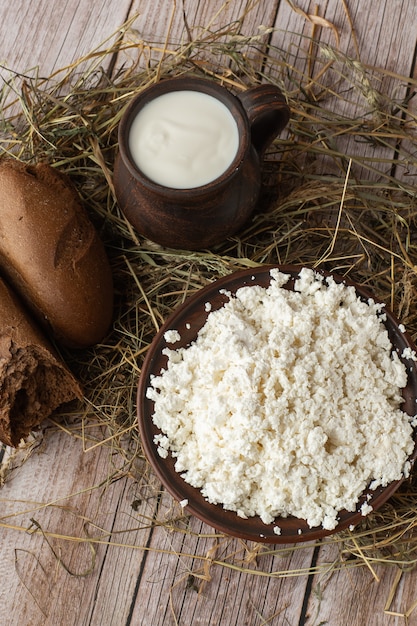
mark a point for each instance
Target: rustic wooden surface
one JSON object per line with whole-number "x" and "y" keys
{"x": 133, "y": 574}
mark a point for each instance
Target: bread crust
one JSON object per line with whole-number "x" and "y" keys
{"x": 52, "y": 255}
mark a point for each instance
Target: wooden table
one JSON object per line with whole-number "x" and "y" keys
{"x": 135, "y": 572}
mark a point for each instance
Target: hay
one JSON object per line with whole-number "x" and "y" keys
{"x": 324, "y": 204}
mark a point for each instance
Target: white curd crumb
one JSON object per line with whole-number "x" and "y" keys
{"x": 288, "y": 403}
{"x": 188, "y": 326}
{"x": 408, "y": 353}
{"x": 162, "y": 443}
{"x": 401, "y": 328}
{"x": 366, "y": 509}
{"x": 183, "y": 503}
{"x": 171, "y": 336}
{"x": 277, "y": 530}
{"x": 207, "y": 306}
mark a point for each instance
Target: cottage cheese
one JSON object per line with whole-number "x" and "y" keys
{"x": 287, "y": 403}
{"x": 171, "y": 336}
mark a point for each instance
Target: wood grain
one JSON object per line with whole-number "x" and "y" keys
{"x": 189, "y": 21}
{"x": 363, "y": 595}
{"x": 208, "y": 592}
{"x": 366, "y": 39}
{"x": 58, "y": 579}
{"x": 50, "y": 36}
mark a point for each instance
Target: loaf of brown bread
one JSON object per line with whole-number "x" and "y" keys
{"x": 33, "y": 379}
{"x": 51, "y": 254}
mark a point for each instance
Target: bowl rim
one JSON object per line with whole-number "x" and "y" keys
{"x": 292, "y": 529}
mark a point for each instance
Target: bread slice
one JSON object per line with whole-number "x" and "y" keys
{"x": 33, "y": 379}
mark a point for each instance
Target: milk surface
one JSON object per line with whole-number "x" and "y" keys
{"x": 184, "y": 139}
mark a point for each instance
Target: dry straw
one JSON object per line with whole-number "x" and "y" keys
{"x": 338, "y": 194}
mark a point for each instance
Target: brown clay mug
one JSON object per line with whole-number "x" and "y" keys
{"x": 196, "y": 217}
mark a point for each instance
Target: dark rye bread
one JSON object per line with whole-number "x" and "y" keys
{"x": 33, "y": 380}
{"x": 52, "y": 255}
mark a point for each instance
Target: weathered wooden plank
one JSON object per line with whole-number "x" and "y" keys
{"x": 62, "y": 491}
{"x": 167, "y": 25}
{"x": 50, "y": 36}
{"x": 222, "y": 584}
{"x": 363, "y": 595}
{"x": 42, "y": 41}
{"x": 365, "y": 39}
{"x": 194, "y": 19}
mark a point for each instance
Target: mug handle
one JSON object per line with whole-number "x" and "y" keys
{"x": 268, "y": 114}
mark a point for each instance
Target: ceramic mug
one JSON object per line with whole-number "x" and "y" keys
{"x": 196, "y": 217}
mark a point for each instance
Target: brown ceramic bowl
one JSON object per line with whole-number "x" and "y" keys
{"x": 188, "y": 319}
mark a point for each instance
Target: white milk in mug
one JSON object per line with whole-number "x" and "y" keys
{"x": 184, "y": 139}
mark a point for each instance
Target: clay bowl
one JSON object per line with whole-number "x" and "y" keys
{"x": 188, "y": 319}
